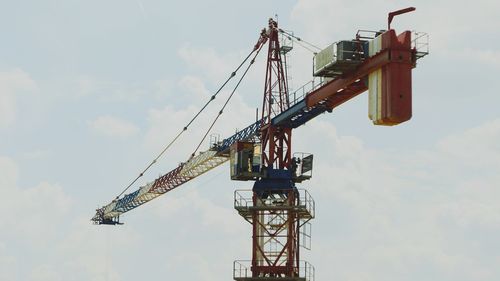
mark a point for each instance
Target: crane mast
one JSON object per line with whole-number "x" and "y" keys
{"x": 274, "y": 210}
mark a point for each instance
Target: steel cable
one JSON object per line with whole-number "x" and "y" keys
{"x": 227, "y": 101}
{"x": 190, "y": 122}
{"x": 299, "y": 40}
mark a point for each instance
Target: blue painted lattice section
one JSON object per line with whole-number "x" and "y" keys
{"x": 244, "y": 134}
{"x": 297, "y": 115}
{"x": 294, "y": 117}
{"x": 125, "y": 200}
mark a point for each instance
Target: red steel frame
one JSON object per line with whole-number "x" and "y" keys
{"x": 276, "y": 154}
{"x": 276, "y": 141}
{"x": 278, "y": 225}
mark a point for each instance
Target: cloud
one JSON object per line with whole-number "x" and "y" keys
{"x": 195, "y": 87}
{"x": 37, "y": 209}
{"x": 165, "y": 123}
{"x": 113, "y": 127}
{"x": 30, "y": 221}
{"x": 84, "y": 86}
{"x": 479, "y": 146}
{"x": 217, "y": 67}
{"x": 207, "y": 60}
{"x": 12, "y": 83}
{"x": 409, "y": 215}
{"x": 491, "y": 57}
{"x": 211, "y": 214}
{"x": 481, "y": 56}
{"x": 162, "y": 88}
{"x": 40, "y": 239}
{"x": 45, "y": 273}
{"x": 326, "y": 21}
{"x": 37, "y": 154}
{"x": 94, "y": 250}
{"x": 9, "y": 173}
{"x": 143, "y": 11}
{"x": 9, "y": 265}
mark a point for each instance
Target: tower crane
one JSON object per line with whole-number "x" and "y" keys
{"x": 279, "y": 212}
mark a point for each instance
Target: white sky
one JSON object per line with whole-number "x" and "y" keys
{"x": 91, "y": 90}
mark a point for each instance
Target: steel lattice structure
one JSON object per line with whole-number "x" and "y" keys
{"x": 194, "y": 167}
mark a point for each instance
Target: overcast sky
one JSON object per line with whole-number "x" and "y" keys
{"x": 91, "y": 91}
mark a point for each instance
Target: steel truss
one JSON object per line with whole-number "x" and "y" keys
{"x": 276, "y": 221}
{"x": 194, "y": 167}
{"x": 276, "y": 141}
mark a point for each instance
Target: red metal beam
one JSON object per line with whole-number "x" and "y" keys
{"x": 398, "y": 12}
{"x": 337, "y": 86}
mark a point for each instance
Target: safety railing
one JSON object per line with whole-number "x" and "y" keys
{"x": 242, "y": 270}
{"x": 420, "y": 43}
{"x": 243, "y": 199}
{"x": 307, "y": 201}
{"x": 364, "y": 34}
{"x": 306, "y": 270}
{"x": 299, "y": 94}
{"x": 305, "y": 237}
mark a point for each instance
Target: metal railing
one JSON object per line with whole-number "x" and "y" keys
{"x": 299, "y": 94}
{"x": 242, "y": 269}
{"x": 420, "y": 43}
{"x": 305, "y": 236}
{"x": 244, "y": 199}
{"x": 306, "y": 199}
{"x": 306, "y": 270}
{"x": 240, "y": 200}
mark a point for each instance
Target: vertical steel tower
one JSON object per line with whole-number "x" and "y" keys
{"x": 276, "y": 208}
{"x": 276, "y": 141}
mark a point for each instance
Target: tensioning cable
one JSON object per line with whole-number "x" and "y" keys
{"x": 300, "y": 41}
{"x": 190, "y": 122}
{"x": 227, "y": 101}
